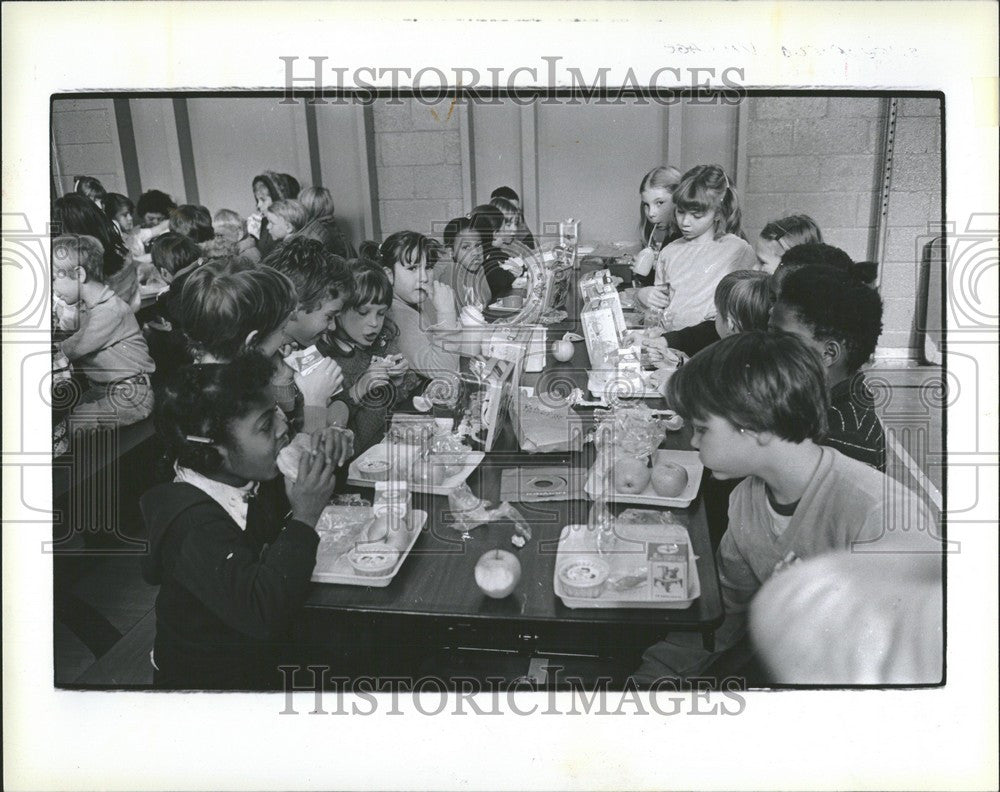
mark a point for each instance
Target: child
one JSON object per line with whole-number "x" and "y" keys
{"x": 507, "y": 233}
{"x": 657, "y": 221}
{"x": 464, "y": 273}
{"x": 231, "y": 554}
{"x": 192, "y": 221}
{"x": 779, "y": 236}
{"x": 321, "y": 224}
{"x": 524, "y": 235}
{"x": 90, "y": 188}
{"x": 488, "y": 221}
{"x": 154, "y": 207}
{"x": 107, "y": 347}
{"x": 175, "y": 257}
{"x": 708, "y": 216}
{"x": 841, "y": 318}
{"x": 809, "y": 254}
{"x": 228, "y": 225}
{"x": 228, "y": 307}
{"x": 742, "y": 302}
{"x": 75, "y": 214}
{"x": 757, "y": 402}
{"x": 376, "y": 374}
{"x": 119, "y": 210}
{"x": 285, "y": 218}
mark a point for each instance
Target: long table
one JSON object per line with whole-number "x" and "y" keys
{"x": 434, "y": 599}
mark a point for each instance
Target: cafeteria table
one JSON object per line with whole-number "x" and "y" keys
{"x": 433, "y": 602}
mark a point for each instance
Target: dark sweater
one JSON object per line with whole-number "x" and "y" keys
{"x": 500, "y": 280}
{"x": 854, "y": 428}
{"x": 227, "y": 597}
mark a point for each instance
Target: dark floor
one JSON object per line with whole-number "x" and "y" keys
{"x": 105, "y": 624}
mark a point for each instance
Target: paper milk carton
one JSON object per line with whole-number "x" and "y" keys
{"x": 668, "y": 568}
{"x": 603, "y": 327}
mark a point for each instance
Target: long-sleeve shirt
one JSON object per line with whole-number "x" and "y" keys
{"x": 854, "y": 428}
{"x": 694, "y": 269}
{"x": 109, "y": 345}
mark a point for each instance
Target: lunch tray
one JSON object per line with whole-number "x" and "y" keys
{"x": 687, "y": 459}
{"x": 342, "y": 572}
{"x": 469, "y": 460}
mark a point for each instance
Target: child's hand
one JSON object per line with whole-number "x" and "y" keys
{"x": 398, "y": 367}
{"x": 443, "y": 299}
{"x": 320, "y": 384}
{"x": 377, "y": 376}
{"x": 339, "y": 444}
{"x": 315, "y": 481}
{"x": 653, "y": 297}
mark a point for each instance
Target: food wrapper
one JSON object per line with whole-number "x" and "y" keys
{"x": 289, "y": 456}
{"x": 340, "y": 528}
{"x": 469, "y": 511}
{"x": 304, "y": 361}
{"x": 633, "y": 430}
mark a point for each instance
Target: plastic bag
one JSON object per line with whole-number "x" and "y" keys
{"x": 469, "y": 511}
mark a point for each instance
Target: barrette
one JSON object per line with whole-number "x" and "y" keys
{"x": 199, "y": 439}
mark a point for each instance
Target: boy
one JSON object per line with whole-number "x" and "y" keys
{"x": 841, "y": 318}
{"x": 810, "y": 254}
{"x": 108, "y": 346}
{"x": 757, "y": 404}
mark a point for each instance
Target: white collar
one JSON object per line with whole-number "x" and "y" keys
{"x": 235, "y": 500}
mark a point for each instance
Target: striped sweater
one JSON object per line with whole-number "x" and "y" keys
{"x": 854, "y": 428}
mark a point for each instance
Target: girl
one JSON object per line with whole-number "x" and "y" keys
{"x": 90, "y": 188}
{"x": 75, "y": 214}
{"x": 708, "y": 215}
{"x": 228, "y": 307}
{"x": 781, "y": 235}
{"x": 321, "y": 224}
{"x": 231, "y": 553}
{"x": 192, "y": 221}
{"x": 524, "y": 235}
{"x": 464, "y": 273}
{"x": 658, "y": 226}
{"x": 285, "y": 218}
{"x": 488, "y": 221}
{"x": 119, "y": 210}
{"x": 507, "y": 233}
{"x": 268, "y": 187}
{"x": 376, "y": 374}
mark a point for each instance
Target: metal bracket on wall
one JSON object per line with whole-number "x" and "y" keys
{"x": 880, "y": 211}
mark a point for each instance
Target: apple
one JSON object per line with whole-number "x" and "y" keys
{"x": 669, "y": 479}
{"x": 497, "y": 573}
{"x": 562, "y": 350}
{"x": 631, "y": 475}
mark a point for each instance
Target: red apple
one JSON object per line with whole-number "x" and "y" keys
{"x": 562, "y": 350}
{"x": 631, "y": 476}
{"x": 669, "y": 479}
{"x": 497, "y": 573}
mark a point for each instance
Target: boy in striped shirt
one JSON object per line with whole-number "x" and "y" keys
{"x": 840, "y": 317}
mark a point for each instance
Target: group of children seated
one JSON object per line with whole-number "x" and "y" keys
{"x": 777, "y": 333}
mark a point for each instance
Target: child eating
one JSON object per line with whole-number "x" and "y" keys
{"x": 840, "y": 317}
{"x": 757, "y": 402}
{"x": 364, "y": 345}
{"x": 231, "y": 554}
{"x": 108, "y": 347}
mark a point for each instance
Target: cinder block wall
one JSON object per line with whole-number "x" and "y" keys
{"x": 418, "y": 164}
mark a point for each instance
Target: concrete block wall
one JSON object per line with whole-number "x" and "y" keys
{"x": 85, "y": 137}
{"x": 418, "y": 164}
{"x": 913, "y": 217}
{"x": 816, "y": 156}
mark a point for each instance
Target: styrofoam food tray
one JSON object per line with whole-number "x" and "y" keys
{"x": 648, "y": 497}
{"x": 469, "y": 461}
{"x": 577, "y": 541}
{"x": 342, "y": 572}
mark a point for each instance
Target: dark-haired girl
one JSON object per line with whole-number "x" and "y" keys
{"x": 231, "y": 553}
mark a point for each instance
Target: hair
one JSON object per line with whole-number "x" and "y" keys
{"x": 225, "y": 299}
{"x": 317, "y": 201}
{"x": 114, "y": 203}
{"x": 453, "y": 229}
{"x": 86, "y": 251}
{"x": 765, "y": 382}
{"x": 706, "y": 188}
{"x": 486, "y": 220}
{"x": 663, "y": 177}
{"x": 192, "y": 221}
{"x": 837, "y": 306}
{"x": 291, "y": 211}
{"x": 202, "y": 400}
{"x": 75, "y": 214}
{"x": 172, "y": 252}
{"x": 810, "y": 254}
{"x": 404, "y": 247}
{"x": 369, "y": 284}
{"x": 505, "y": 192}
{"x": 317, "y": 274}
{"x": 866, "y": 272}
{"x": 89, "y": 187}
{"x": 743, "y": 298}
{"x": 793, "y": 230}
{"x": 505, "y": 207}
{"x": 280, "y": 186}
{"x": 155, "y": 201}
